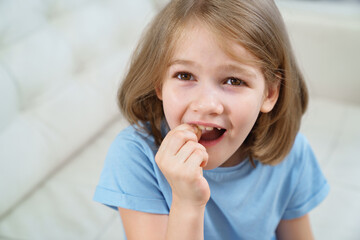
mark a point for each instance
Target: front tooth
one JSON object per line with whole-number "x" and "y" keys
{"x": 202, "y": 128}
{"x": 209, "y": 128}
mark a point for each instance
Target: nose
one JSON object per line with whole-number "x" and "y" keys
{"x": 207, "y": 101}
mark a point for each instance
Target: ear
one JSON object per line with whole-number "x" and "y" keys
{"x": 270, "y": 97}
{"x": 158, "y": 92}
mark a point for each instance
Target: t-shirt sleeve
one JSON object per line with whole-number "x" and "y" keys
{"x": 311, "y": 187}
{"x": 128, "y": 179}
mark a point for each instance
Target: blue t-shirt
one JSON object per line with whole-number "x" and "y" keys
{"x": 245, "y": 202}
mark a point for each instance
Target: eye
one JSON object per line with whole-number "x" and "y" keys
{"x": 234, "y": 81}
{"x": 184, "y": 76}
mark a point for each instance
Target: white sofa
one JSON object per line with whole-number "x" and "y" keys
{"x": 60, "y": 65}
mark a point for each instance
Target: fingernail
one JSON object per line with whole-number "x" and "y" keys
{"x": 197, "y": 131}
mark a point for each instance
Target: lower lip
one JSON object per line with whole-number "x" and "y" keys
{"x": 212, "y": 142}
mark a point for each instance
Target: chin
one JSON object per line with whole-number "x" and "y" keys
{"x": 210, "y": 166}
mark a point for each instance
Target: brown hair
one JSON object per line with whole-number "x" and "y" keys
{"x": 257, "y": 26}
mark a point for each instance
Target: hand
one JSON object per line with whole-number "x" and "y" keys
{"x": 181, "y": 158}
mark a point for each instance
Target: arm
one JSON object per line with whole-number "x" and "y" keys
{"x": 295, "y": 229}
{"x": 180, "y": 224}
{"x": 185, "y": 222}
{"x": 141, "y": 225}
{"x": 180, "y": 158}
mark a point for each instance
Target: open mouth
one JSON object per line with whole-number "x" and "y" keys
{"x": 210, "y": 133}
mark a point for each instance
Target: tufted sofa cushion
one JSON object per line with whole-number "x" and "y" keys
{"x": 60, "y": 65}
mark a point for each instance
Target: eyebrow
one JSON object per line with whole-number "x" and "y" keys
{"x": 182, "y": 62}
{"x": 236, "y": 68}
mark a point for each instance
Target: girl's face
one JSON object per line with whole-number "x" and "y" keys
{"x": 204, "y": 86}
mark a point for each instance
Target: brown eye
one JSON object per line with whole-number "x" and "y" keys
{"x": 185, "y": 76}
{"x": 234, "y": 81}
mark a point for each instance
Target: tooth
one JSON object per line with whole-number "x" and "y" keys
{"x": 219, "y": 129}
{"x": 202, "y": 128}
{"x": 209, "y": 128}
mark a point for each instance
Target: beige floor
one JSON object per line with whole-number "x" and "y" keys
{"x": 333, "y": 130}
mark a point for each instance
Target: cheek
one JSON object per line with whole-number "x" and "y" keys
{"x": 246, "y": 113}
{"x": 173, "y": 107}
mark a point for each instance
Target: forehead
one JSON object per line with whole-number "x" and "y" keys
{"x": 197, "y": 37}
{"x": 196, "y": 33}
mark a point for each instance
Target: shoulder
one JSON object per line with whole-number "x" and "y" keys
{"x": 306, "y": 184}
{"x": 131, "y": 149}
{"x": 297, "y": 163}
{"x": 134, "y": 133}
{"x": 301, "y": 146}
{"x": 130, "y": 177}
{"x": 132, "y": 139}
{"x": 292, "y": 166}
{"x": 300, "y": 154}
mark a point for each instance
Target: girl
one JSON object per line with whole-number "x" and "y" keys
{"x": 215, "y": 100}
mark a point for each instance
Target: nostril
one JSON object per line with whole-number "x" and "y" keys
{"x": 207, "y": 106}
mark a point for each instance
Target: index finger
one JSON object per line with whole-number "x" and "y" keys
{"x": 178, "y": 136}
{"x": 193, "y": 128}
